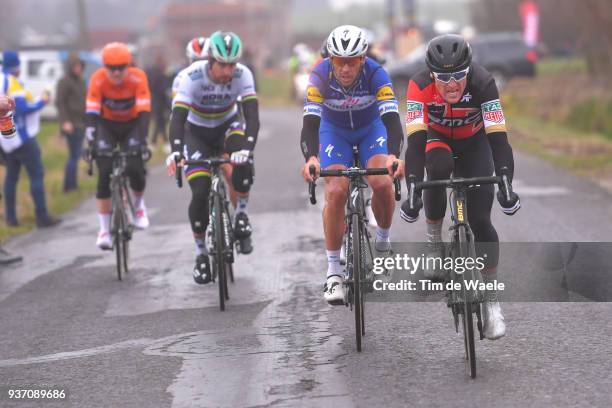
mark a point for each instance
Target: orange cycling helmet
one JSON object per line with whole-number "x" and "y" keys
{"x": 116, "y": 53}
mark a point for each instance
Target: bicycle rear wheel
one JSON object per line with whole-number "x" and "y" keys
{"x": 219, "y": 257}
{"x": 357, "y": 273}
{"x": 230, "y": 271}
{"x": 468, "y": 318}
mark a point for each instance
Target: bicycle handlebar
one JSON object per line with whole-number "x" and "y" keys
{"x": 213, "y": 162}
{"x": 502, "y": 182}
{"x": 423, "y": 185}
{"x": 352, "y": 172}
{"x": 144, "y": 152}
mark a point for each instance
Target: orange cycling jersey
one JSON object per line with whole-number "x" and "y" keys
{"x": 119, "y": 103}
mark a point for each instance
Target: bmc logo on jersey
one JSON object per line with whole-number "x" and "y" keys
{"x": 492, "y": 111}
{"x": 414, "y": 110}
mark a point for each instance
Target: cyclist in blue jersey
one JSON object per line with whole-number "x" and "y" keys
{"x": 350, "y": 102}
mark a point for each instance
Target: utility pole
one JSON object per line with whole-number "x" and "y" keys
{"x": 82, "y": 42}
{"x": 391, "y": 23}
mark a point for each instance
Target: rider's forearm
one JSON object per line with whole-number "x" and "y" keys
{"x": 502, "y": 153}
{"x": 250, "y": 109}
{"x": 395, "y": 134}
{"x": 177, "y": 128}
{"x": 309, "y": 140}
{"x": 143, "y": 126}
{"x": 415, "y": 155}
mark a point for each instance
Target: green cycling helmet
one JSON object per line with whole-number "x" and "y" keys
{"x": 225, "y": 47}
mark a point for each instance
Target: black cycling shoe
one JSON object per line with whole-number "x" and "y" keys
{"x": 201, "y": 270}
{"x": 242, "y": 227}
{"x": 244, "y": 246}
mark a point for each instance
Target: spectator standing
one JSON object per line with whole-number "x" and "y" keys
{"x": 24, "y": 149}
{"x": 71, "y": 92}
{"x": 159, "y": 83}
{"x": 7, "y": 130}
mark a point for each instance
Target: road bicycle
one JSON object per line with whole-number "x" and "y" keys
{"x": 466, "y": 302}
{"x": 357, "y": 239}
{"x": 122, "y": 207}
{"x": 220, "y": 232}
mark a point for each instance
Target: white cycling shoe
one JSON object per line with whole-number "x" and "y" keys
{"x": 104, "y": 240}
{"x": 141, "y": 219}
{"x": 494, "y": 326}
{"x": 334, "y": 290}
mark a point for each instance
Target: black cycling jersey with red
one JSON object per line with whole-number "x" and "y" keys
{"x": 479, "y": 109}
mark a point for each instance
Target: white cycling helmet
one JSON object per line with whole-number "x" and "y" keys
{"x": 197, "y": 48}
{"x": 347, "y": 41}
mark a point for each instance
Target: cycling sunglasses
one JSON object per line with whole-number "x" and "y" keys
{"x": 339, "y": 62}
{"x": 114, "y": 68}
{"x": 447, "y": 76}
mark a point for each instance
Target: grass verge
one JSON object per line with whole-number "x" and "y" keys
{"x": 54, "y": 153}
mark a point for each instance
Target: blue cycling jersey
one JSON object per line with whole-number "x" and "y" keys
{"x": 368, "y": 98}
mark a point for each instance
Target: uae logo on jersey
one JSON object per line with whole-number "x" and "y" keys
{"x": 414, "y": 110}
{"x": 492, "y": 111}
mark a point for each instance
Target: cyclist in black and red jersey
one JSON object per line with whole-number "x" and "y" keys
{"x": 455, "y": 124}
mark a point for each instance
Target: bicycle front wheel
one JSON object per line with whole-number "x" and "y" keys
{"x": 219, "y": 257}
{"x": 468, "y": 320}
{"x": 118, "y": 242}
{"x": 357, "y": 274}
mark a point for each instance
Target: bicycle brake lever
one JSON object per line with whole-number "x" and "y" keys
{"x": 178, "y": 173}
{"x": 506, "y": 187}
{"x": 398, "y": 189}
{"x": 312, "y": 186}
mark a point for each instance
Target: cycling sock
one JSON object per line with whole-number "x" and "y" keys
{"x": 241, "y": 204}
{"x": 139, "y": 201}
{"x": 434, "y": 232}
{"x": 333, "y": 263}
{"x": 104, "y": 220}
{"x": 200, "y": 244}
{"x": 489, "y": 276}
{"x": 382, "y": 242}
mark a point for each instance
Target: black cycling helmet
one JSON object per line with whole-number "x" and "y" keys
{"x": 448, "y": 53}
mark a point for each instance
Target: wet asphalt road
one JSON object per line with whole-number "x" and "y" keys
{"x": 156, "y": 339}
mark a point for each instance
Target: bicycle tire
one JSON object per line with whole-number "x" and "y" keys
{"x": 225, "y": 288}
{"x": 118, "y": 252}
{"x": 356, "y": 253}
{"x": 219, "y": 251}
{"x": 126, "y": 251}
{"x": 230, "y": 272}
{"x": 468, "y": 318}
{"x": 365, "y": 280}
{"x": 117, "y": 216}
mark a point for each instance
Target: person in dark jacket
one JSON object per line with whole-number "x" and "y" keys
{"x": 71, "y": 91}
{"x": 159, "y": 82}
